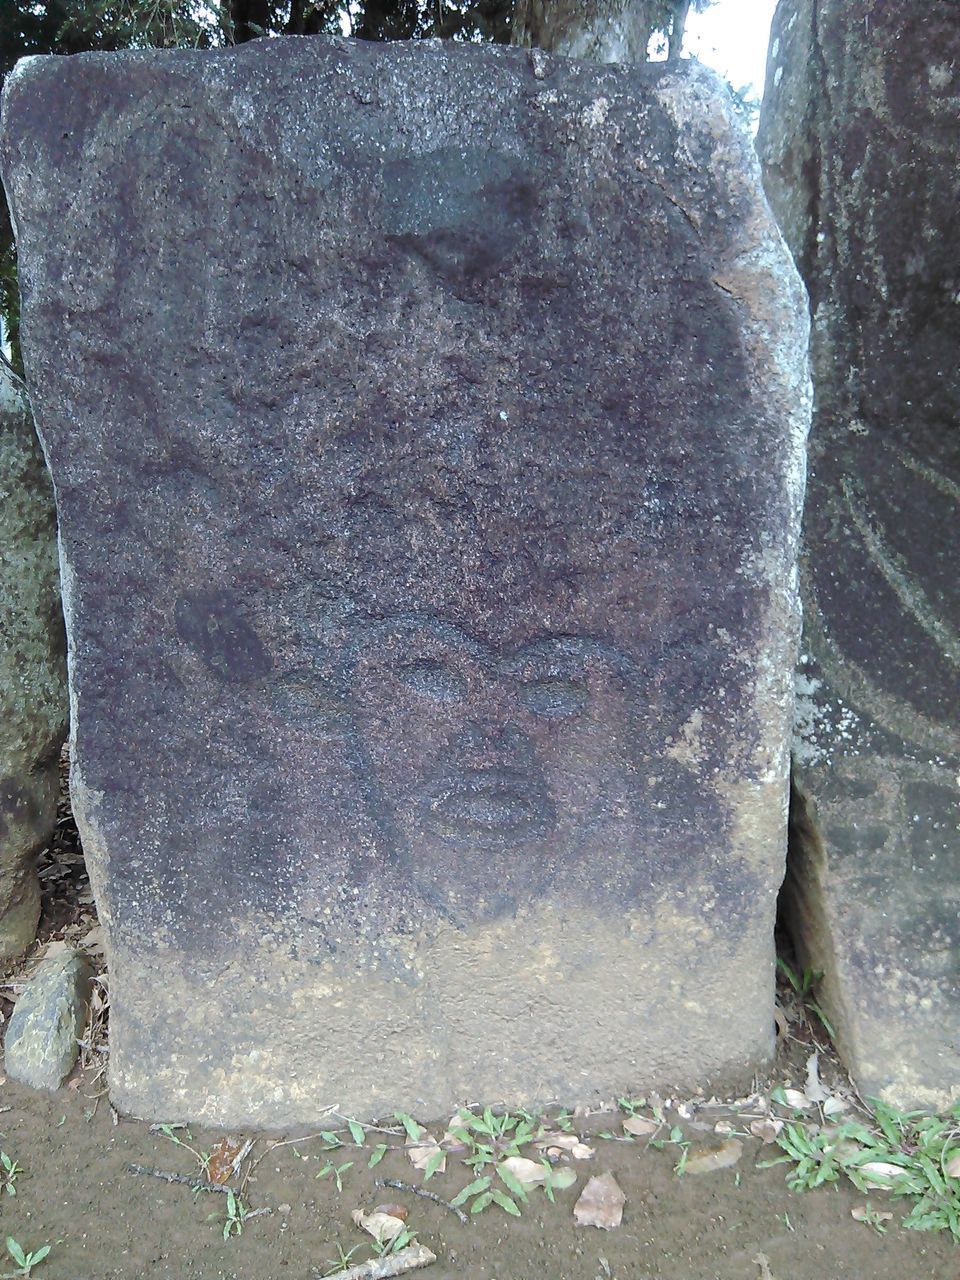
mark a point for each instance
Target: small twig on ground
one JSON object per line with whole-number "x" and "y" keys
{"x": 422, "y": 1191}
{"x": 394, "y": 1264}
{"x": 197, "y": 1184}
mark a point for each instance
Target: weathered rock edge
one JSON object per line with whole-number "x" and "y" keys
{"x": 237, "y": 1027}
{"x": 33, "y": 694}
{"x": 858, "y": 140}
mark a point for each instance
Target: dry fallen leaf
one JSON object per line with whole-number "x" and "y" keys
{"x": 384, "y": 1227}
{"x": 565, "y": 1141}
{"x": 395, "y": 1211}
{"x": 601, "y": 1203}
{"x": 582, "y": 1152}
{"x": 766, "y": 1130}
{"x": 528, "y": 1172}
{"x": 425, "y": 1149}
{"x": 863, "y": 1213}
{"x": 795, "y": 1099}
{"x": 951, "y": 1168}
{"x": 220, "y": 1164}
{"x": 835, "y": 1106}
{"x": 721, "y": 1157}
{"x": 93, "y": 941}
{"x": 813, "y": 1090}
{"x": 639, "y": 1126}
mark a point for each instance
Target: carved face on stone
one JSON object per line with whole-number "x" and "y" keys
{"x": 489, "y": 770}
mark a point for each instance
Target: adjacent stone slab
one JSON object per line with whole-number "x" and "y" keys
{"x": 33, "y": 695}
{"x": 40, "y": 1046}
{"x": 427, "y": 424}
{"x": 859, "y": 138}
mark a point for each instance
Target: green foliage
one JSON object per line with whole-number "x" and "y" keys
{"x": 910, "y": 1154}
{"x": 24, "y": 1260}
{"x": 336, "y": 1170}
{"x": 9, "y": 1172}
{"x": 237, "y": 1214}
{"x": 803, "y": 985}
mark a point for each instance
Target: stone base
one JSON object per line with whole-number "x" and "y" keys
{"x": 544, "y": 1008}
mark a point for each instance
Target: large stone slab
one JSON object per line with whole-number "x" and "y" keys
{"x": 859, "y": 138}
{"x": 33, "y": 693}
{"x": 427, "y": 425}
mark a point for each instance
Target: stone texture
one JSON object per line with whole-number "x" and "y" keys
{"x": 859, "y": 136}
{"x": 429, "y": 476}
{"x": 40, "y": 1046}
{"x": 33, "y": 696}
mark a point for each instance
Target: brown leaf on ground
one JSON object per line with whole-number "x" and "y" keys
{"x": 220, "y": 1165}
{"x": 527, "y": 1172}
{"x": 601, "y": 1203}
{"x": 863, "y": 1213}
{"x": 714, "y": 1158}
{"x": 384, "y": 1227}
{"x": 639, "y": 1126}
{"x": 951, "y": 1168}
{"x": 424, "y": 1150}
{"x": 565, "y": 1141}
{"x": 766, "y": 1130}
{"x": 394, "y": 1210}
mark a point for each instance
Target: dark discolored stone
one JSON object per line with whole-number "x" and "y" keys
{"x": 858, "y": 140}
{"x": 33, "y": 695}
{"x": 429, "y": 481}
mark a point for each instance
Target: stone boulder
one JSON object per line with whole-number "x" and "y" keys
{"x": 428, "y": 428}
{"x": 33, "y": 699}
{"x": 858, "y": 138}
{"x": 40, "y": 1047}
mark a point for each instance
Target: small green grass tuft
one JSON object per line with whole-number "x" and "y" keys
{"x": 909, "y": 1154}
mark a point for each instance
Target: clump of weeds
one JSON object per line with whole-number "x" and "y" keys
{"x": 911, "y": 1155}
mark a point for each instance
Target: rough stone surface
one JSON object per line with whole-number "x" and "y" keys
{"x": 33, "y": 694}
{"x": 40, "y": 1046}
{"x": 429, "y": 480}
{"x": 859, "y": 140}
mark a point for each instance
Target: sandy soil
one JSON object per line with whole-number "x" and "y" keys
{"x": 104, "y": 1222}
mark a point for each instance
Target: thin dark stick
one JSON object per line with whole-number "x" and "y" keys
{"x": 196, "y": 1183}
{"x": 422, "y": 1191}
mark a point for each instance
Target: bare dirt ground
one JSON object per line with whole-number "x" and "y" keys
{"x": 76, "y": 1191}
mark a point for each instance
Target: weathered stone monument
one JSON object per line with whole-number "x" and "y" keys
{"x": 32, "y": 672}
{"x": 859, "y": 139}
{"x": 428, "y": 427}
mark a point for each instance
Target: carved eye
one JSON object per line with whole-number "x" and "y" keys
{"x": 554, "y": 696}
{"x": 433, "y": 680}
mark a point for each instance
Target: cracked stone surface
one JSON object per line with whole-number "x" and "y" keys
{"x": 858, "y": 141}
{"x": 429, "y": 482}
